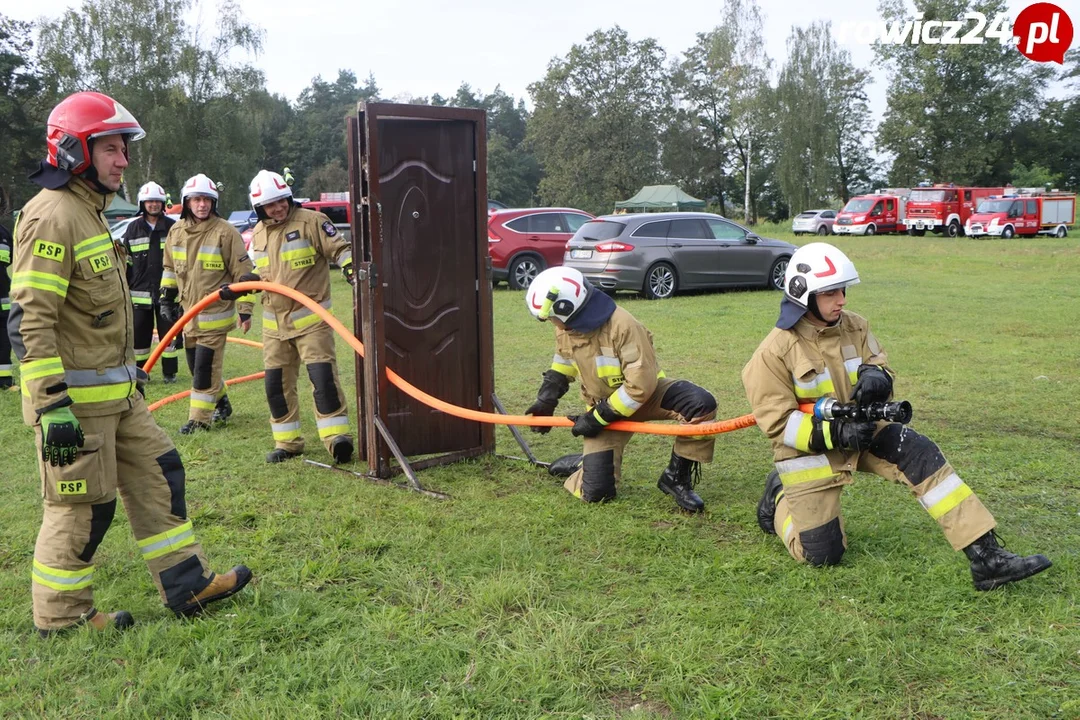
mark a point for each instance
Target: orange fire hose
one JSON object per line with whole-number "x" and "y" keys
{"x": 713, "y": 428}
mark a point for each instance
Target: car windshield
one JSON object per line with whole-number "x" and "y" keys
{"x": 597, "y": 230}
{"x": 994, "y": 206}
{"x": 926, "y": 196}
{"x": 859, "y": 205}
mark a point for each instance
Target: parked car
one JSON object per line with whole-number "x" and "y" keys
{"x": 658, "y": 254}
{"x": 496, "y": 205}
{"x": 524, "y": 242}
{"x": 814, "y": 222}
{"x": 243, "y": 219}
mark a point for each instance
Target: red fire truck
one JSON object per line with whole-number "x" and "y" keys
{"x": 1028, "y": 213}
{"x": 882, "y": 212}
{"x": 944, "y": 209}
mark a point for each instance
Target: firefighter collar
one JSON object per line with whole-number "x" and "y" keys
{"x": 593, "y": 314}
{"x": 790, "y": 313}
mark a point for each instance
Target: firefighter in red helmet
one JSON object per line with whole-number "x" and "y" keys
{"x": 71, "y": 328}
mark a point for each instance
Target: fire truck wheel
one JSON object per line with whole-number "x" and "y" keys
{"x": 953, "y": 230}
{"x": 1008, "y": 232}
{"x": 1061, "y": 232}
{"x": 870, "y": 230}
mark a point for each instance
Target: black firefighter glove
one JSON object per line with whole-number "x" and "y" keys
{"x": 250, "y": 277}
{"x": 141, "y": 378}
{"x": 554, "y": 387}
{"x": 172, "y": 312}
{"x": 350, "y": 275}
{"x": 61, "y": 436}
{"x": 227, "y": 293}
{"x": 594, "y": 421}
{"x": 852, "y": 435}
{"x": 874, "y": 385}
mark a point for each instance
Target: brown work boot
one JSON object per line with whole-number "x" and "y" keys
{"x": 120, "y": 620}
{"x": 220, "y": 587}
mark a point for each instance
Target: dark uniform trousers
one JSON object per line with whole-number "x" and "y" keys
{"x": 145, "y": 316}
{"x": 808, "y": 517}
{"x": 127, "y": 453}
{"x": 206, "y": 356}
{"x": 601, "y": 463}
{"x": 5, "y": 341}
{"x": 282, "y": 360}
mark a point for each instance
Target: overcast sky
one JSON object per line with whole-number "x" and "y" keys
{"x": 424, "y": 47}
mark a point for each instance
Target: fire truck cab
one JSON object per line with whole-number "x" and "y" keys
{"x": 882, "y": 212}
{"x": 1025, "y": 213}
{"x": 944, "y": 209}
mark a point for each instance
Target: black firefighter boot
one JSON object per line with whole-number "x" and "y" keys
{"x": 992, "y": 566}
{"x": 766, "y": 507}
{"x": 223, "y": 411}
{"x": 678, "y": 480}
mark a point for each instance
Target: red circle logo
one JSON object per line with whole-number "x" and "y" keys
{"x": 1043, "y": 32}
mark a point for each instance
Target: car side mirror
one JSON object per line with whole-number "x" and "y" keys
{"x": 752, "y": 238}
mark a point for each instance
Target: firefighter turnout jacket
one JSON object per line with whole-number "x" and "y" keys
{"x": 296, "y": 253}
{"x": 70, "y": 321}
{"x": 800, "y": 365}
{"x": 200, "y": 257}
{"x": 145, "y": 247}
{"x": 616, "y": 362}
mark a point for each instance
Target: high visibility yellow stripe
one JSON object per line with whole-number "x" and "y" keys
{"x": 297, "y": 254}
{"x": 622, "y": 403}
{"x": 203, "y": 405}
{"x": 216, "y": 324}
{"x": 269, "y": 323}
{"x": 101, "y": 393}
{"x": 40, "y": 281}
{"x": 62, "y": 580}
{"x": 306, "y": 321}
{"x": 803, "y": 469}
{"x": 179, "y": 253}
{"x": 169, "y": 541}
{"x": 826, "y": 433}
{"x": 785, "y": 530}
{"x": 568, "y": 370}
{"x": 819, "y": 390}
{"x": 92, "y": 246}
{"x": 804, "y": 476}
{"x": 141, "y": 300}
{"x": 42, "y": 368}
{"x": 806, "y": 428}
{"x": 943, "y": 498}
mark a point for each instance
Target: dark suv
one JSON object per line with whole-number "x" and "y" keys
{"x": 523, "y": 242}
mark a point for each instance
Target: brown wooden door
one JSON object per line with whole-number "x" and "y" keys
{"x": 428, "y": 255}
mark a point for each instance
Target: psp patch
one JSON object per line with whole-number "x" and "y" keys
{"x": 329, "y": 229}
{"x": 294, "y": 235}
{"x": 71, "y": 487}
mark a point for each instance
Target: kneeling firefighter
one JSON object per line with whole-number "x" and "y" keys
{"x": 204, "y": 253}
{"x": 820, "y": 352}
{"x": 612, "y": 354}
{"x": 293, "y": 246}
{"x": 71, "y": 327}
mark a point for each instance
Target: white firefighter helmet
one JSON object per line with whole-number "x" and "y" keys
{"x": 198, "y": 185}
{"x": 267, "y": 187}
{"x": 557, "y": 292}
{"x": 817, "y": 267}
{"x": 151, "y": 191}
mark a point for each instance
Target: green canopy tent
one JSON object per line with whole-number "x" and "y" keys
{"x": 120, "y": 208}
{"x": 658, "y": 198}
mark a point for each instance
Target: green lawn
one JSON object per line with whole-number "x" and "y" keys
{"x": 515, "y": 600}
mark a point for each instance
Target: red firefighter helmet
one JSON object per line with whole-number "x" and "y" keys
{"x": 78, "y": 119}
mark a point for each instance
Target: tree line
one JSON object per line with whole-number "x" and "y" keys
{"x": 609, "y": 116}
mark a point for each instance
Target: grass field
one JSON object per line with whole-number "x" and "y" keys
{"x": 515, "y": 600}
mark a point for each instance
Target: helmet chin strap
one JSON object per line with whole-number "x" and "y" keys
{"x": 811, "y": 305}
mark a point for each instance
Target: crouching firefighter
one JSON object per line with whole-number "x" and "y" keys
{"x": 204, "y": 253}
{"x": 71, "y": 327}
{"x": 612, "y": 354}
{"x": 819, "y": 350}
{"x": 144, "y": 240}
{"x": 293, "y": 246}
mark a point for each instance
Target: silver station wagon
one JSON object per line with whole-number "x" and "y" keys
{"x": 659, "y": 254}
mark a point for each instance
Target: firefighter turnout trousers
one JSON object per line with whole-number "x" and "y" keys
{"x": 147, "y": 313}
{"x": 282, "y": 359}
{"x": 5, "y": 344}
{"x": 207, "y": 380}
{"x": 126, "y": 453}
{"x": 601, "y": 463}
{"x": 808, "y": 517}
